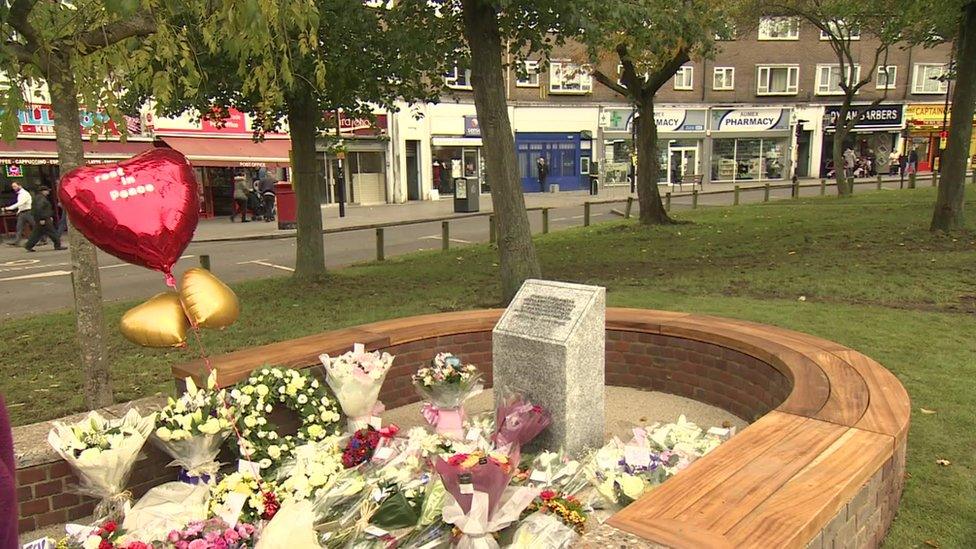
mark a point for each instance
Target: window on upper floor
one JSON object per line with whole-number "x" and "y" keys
{"x": 458, "y": 79}
{"x": 841, "y": 30}
{"x": 566, "y": 77}
{"x": 829, "y": 78}
{"x": 887, "y": 77}
{"x": 723, "y": 78}
{"x": 684, "y": 79}
{"x": 929, "y": 78}
{"x": 777, "y": 79}
{"x": 531, "y": 78}
{"x": 779, "y": 28}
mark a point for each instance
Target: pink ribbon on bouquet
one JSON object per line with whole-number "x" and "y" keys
{"x": 445, "y": 421}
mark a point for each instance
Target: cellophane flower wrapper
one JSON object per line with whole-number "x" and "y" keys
{"x": 192, "y": 428}
{"x": 166, "y": 507}
{"x": 292, "y": 527}
{"x": 445, "y": 385}
{"x": 356, "y": 378}
{"x": 103, "y": 472}
{"x": 543, "y": 530}
{"x": 557, "y": 471}
{"x": 518, "y": 421}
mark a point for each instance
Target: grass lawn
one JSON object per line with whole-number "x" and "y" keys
{"x": 872, "y": 276}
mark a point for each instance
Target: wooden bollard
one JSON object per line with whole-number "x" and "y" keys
{"x": 630, "y": 207}
{"x": 545, "y": 220}
{"x": 735, "y": 196}
{"x": 911, "y": 180}
{"x": 694, "y": 199}
{"x": 879, "y": 181}
{"x": 445, "y": 235}
{"x": 586, "y": 214}
{"x": 667, "y": 202}
{"x": 205, "y": 261}
{"x": 823, "y": 187}
{"x": 380, "y": 248}
{"x": 766, "y": 192}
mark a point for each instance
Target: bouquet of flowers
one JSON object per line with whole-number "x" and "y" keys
{"x": 479, "y": 503}
{"x": 553, "y": 519}
{"x": 242, "y": 496}
{"x": 360, "y": 448}
{"x": 556, "y": 471}
{"x": 192, "y": 428}
{"x": 683, "y": 438}
{"x": 355, "y": 378}
{"x": 446, "y": 384}
{"x": 312, "y": 470}
{"x": 213, "y": 533}
{"x": 102, "y": 453}
{"x": 518, "y": 421}
{"x": 108, "y": 535}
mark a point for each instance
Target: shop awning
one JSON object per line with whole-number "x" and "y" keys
{"x": 232, "y": 152}
{"x": 456, "y": 141}
{"x": 45, "y": 151}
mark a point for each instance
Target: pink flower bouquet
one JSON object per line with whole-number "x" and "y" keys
{"x": 446, "y": 384}
{"x": 518, "y": 421}
{"x": 356, "y": 378}
{"x": 212, "y": 534}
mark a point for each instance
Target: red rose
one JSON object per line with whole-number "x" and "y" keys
{"x": 456, "y": 459}
{"x": 110, "y": 526}
{"x": 106, "y": 544}
{"x": 546, "y": 495}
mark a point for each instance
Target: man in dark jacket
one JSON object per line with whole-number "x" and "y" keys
{"x": 44, "y": 215}
{"x": 542, "y": 169}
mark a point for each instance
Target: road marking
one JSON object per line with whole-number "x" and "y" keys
{"x": 438, "y": 237}
{"x": 560, "y": 218}
{"x": 266, "y": 264}
{"x": 46, "y": 274}
{"x": 20, "y": 262}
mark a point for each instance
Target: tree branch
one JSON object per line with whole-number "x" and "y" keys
{"x": 18, "y": 19}
{"x": 106, "y": 35}
{"x": 611, "y": 83}
{"x": 19, "y": 51}
{"x": 662, "y": 75}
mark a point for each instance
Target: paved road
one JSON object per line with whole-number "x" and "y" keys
{"x": 31, "y": 283}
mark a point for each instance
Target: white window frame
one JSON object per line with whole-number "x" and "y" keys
{"x": 766, "y": 25}
{"x": 891, "y": 77}
{"x": 821, "y": 88}
{"x": 451, "y": 79}
{"x": 728, "y": 78}
{"x": 792, "y": 79}
{"x": 532, "y": 70}
{"x": 582, "y": 77}
{"x": 684, "y": 79}
{"x": 840, "y": 26}
{"x": 919, "y": 74}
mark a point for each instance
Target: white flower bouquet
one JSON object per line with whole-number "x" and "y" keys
{"x": 356, "y": 378}
{"x": 102, "y": 453}
{"x": 243, "y": 496}
{"x": 192, "y": 428}
{"x": 446, "y": 384}
{"x": 311, "y": 471}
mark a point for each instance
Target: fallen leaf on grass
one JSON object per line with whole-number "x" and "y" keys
{"x": 943, "y": 462}
{"x": 931, "y": 543}
{"x": 802, "y": 298}
{"x": 926, "y": 411}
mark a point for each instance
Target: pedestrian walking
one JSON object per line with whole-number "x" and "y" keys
{"x": 22, "y": 206}
{"x": 240, "y": 197}
{"x": 542, "y": 168}
{"x": 44, "y": 215}
{"x": 913, "y": 161}
{"x": 850, "y": 159}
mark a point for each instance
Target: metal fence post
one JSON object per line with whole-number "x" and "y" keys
{"x": 586, "y": 214}
{"x": 667, "y": 202}
{"x": 205, "y": 261}
{"x": 694, "y": 198}
{"x": 380, "y": 251}
{"x": 766, "y": 192}
{"x": 823, "y": 187}
{"x": 491, "y": 229}
{"x": 545, "y": 220}
{"x": 630, "y": 205}
{"x": 445, "y": 235}
{"x": 735, "y": 196}
{"x": 911, "y": 180}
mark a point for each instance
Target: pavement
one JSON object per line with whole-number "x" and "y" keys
{"x": 40, "y": 282}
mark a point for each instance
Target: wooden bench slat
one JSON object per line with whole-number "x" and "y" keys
{"x": 890, "y": 408}
{"x": 849, "y": 394}
{"x": 716, "y": 468}
{"x": 638, "y": 320}
{"x": 804, "y": 505}
{"x": 761, "y": 477}
{"x": 406, "y": 330}
{"x": 673, "y": 534}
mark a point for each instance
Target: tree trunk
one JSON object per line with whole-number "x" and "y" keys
{"x": 303, "y": 117}
{"x": 948, "y": 214}
{"x": 85, "y": 277}
{"x": 652, "y": 211}
{"x": 517, "y": 256}
{"x": 840, "y": 135}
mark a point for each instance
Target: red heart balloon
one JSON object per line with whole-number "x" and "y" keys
{"x": 142, "y": 210}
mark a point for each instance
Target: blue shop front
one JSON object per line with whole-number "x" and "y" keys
{"x": 568, "y": 156}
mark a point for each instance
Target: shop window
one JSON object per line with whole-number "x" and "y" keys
{"x": 684, "y": 79}
{"x": 842, "y": 31}
{"x": 723, "y": 78}
{"x": 531, "y": 78}
{"x": 829, "y": 78}
{"x": 930, "y": 78}
{"x": 777, "y": 79}
{"x": 886, "y": 77}
{"x": 458, "y": 79}
{"x": 748, "y": 159}
{"x": 779, "y": 28}
{"x": 565, "y": 77}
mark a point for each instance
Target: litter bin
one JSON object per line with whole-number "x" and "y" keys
{"x": 285, "y": 204}
{"x": 466, "y": 195}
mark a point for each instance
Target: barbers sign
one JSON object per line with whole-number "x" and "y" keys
{"x": 878, "y": 117}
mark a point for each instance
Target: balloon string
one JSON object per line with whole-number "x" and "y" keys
{"x": 170, "y": 280}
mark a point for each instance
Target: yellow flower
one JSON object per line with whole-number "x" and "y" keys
{"x": 632, "y": 487}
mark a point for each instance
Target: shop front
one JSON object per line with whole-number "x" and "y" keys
{"x": 875, "y": 139}
{"x": 364, "y": 168}
{"x": 567, "y": 155}
{"x": 458, "y": 156}
{"x": 749, "y": 144}
{"x": 925, "y": 124}
{"x": 680, "y": 147}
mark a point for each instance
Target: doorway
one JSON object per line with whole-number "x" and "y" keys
{"x": 684, "y": 161}
{"x": 803, "y": 154}
{"x": 413, "y": 170}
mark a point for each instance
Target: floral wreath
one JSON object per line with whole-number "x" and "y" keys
{"x": 259, "y": 440}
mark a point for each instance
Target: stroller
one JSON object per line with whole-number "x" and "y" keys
{"x": 262, "y": 204}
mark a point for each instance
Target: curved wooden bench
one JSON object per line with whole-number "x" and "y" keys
{"x": 823, "y": 460}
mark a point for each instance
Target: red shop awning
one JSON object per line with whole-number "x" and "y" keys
{"x": 45, "y": 151}
{"x": 232, "y": 152}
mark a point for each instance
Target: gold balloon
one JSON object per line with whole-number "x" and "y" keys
{"x": 208, "y": 302}
{"x": 159, "y": 322}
